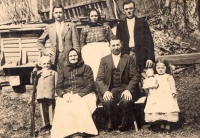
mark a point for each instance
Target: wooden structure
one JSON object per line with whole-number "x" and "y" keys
{"x": 77, "y": 10}
{"x": 18, "y": 45}
{"x": 19, "y": 52}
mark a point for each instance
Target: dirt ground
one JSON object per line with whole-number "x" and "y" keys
{"x": 15, "y": 113}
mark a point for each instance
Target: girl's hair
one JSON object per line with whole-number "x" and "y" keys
{"x": 99, "y": 16}
{"x": 168, "y": 69}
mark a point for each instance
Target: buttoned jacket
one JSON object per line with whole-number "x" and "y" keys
{"x": 78, "y": 80}
{"x": 46, "y": 84}
{"x": 129, "y": 76}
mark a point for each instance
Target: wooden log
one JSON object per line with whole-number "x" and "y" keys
{"x": 182, "y": 59}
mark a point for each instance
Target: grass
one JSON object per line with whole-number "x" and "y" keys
{"x": 15, "y": 113}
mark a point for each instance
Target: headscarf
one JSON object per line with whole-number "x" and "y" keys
{"x": 66, "y": 59}
{"x": 98, "y": 23}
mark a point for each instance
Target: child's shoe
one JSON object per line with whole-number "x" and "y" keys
{"x": 162, "y": 126}
{"x": 167, "y": 129}
{"x": 45, "y": 130}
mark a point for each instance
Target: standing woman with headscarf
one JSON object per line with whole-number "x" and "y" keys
{"x": 77, "y": 101}
{"x": 94, "y": 41}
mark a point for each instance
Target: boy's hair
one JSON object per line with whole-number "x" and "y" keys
{"x": 44, "y": 59}
{"x": 168, "y": 69}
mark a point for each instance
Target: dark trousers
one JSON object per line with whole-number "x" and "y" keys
{"x": 118, "y": 110}
{"x": 47, "y": 107}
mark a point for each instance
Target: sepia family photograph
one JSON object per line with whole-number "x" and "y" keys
{"x": 99, "y": 68}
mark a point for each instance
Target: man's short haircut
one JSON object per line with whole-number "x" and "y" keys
{"x": 114, "y": 38}
{"x": 58, "y": 6}
{"x": 128, "y": 2}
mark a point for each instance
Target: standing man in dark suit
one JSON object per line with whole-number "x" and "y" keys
{"x": 136, "y": 37}
{"x": 63, "y": 36}
{"x": 117, "y": 78}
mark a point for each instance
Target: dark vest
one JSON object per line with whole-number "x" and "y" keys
{"x": 115, "y": 79}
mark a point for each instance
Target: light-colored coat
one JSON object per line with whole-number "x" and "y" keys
{"x": 46, "y": 84}
{"x": 69, "y": 36}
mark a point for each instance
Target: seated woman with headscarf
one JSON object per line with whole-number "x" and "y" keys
{"x": 94, "y": 40}
{"x": 77, "y": 101}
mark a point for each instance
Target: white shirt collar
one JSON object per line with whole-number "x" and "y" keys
{"x": 117, "y": 56}
{"x": 116, "y": 59}
{"x": 59, "y": 22}
{"x": 128, "y": 19}
{"x": 131, "y": 24}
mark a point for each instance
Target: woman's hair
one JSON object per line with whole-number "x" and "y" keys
{"x": 168, "y": 69}
{"x": 79, "y": 56}
{"x": 99, "y": 16}
{"x": 65, "y": 58}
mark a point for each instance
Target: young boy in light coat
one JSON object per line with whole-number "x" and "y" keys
{"x": 46, "y": 84}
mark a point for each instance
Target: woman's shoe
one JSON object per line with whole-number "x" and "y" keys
{"x": 77, "y": 135}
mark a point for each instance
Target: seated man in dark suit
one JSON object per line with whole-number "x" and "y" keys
{"x": 117, "y": 78}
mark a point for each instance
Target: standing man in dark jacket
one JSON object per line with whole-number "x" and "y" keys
{"x": 136, "y": 37}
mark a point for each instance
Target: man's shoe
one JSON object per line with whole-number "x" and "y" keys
{"x": 122, "y": 127}
{"x": 109, "y": 127}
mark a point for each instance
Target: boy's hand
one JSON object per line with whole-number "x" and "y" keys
{"x": 174, "y": 95}
{"x": 35, "y": 69}
{"x": 50, "y": 53}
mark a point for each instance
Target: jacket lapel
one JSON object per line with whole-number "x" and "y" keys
{"x": 136, "y": 29}
{"x": 110, "y": 63}
{"x": 109, "y": 67}
{"x": 125, "y": 26}
{"x": 65, "y": 29}
{"x": 123, "y": 61}
{"x": 53, "y": 32}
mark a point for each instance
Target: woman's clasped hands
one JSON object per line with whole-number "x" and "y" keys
{"x": 70, "y": 97}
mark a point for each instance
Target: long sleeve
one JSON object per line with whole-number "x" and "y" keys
{"x": 118, "y": 31}
{"x": 60, "y": 83}
{"x": 89, "y": 81}
{"x": 103, "y": 87}
{"x": 110, "y": 34}
{"x": 149, "y": 42}
{"x": 42, "y": 40}
{"x": 83, "y": 37}
{"x": 75, "y": 38}
{"x": 172, "y": 84}
{"x": 56, "y": 79}
{"x": 134, "y": 76}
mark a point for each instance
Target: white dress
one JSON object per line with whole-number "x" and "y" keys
{"x": 92, "y": 54}
{"x": 160, "y": 103}
{"x": 71, "y": 118}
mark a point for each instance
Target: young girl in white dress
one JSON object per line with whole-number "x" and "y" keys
{"x": 162, "y": 103}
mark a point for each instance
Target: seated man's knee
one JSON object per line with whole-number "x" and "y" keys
{"x": 108, "y": 102}
{"x": 125, "y": 102}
